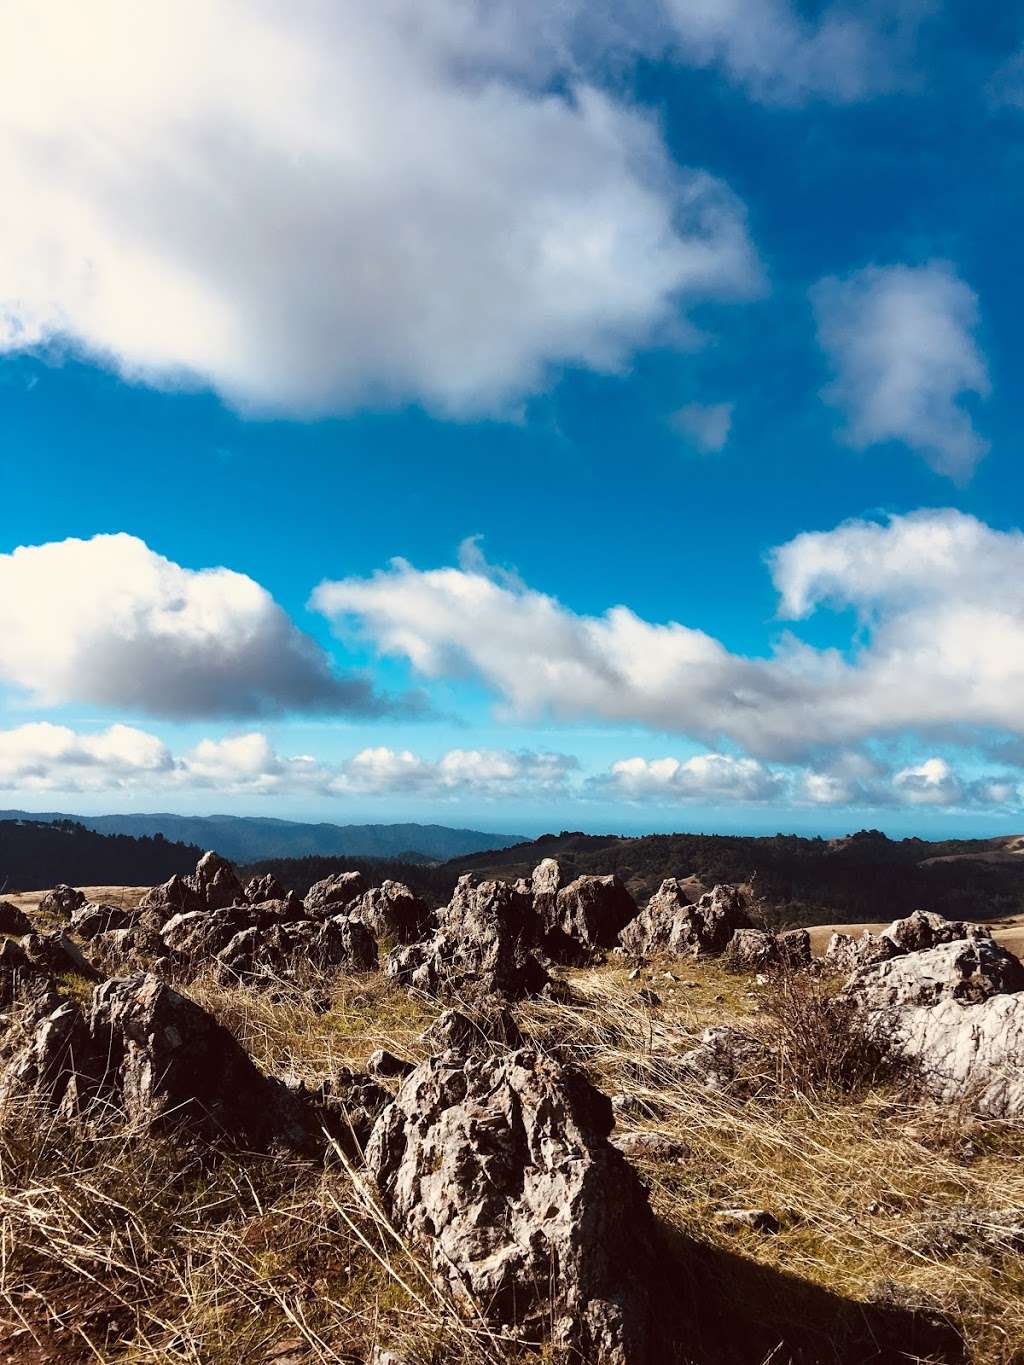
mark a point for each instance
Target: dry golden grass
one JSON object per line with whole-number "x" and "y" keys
{"x": 117, "y": 1250}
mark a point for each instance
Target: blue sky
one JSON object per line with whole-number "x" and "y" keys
{"x": 708, "y": 312}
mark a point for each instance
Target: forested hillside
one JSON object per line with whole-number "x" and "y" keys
{"x": 35, "y": 855}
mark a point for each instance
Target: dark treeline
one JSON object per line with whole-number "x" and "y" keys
{"x": 35, "y": 856}
{"x": 863, "y": 877}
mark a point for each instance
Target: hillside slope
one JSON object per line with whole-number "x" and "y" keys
{"x": 246, "y": 838}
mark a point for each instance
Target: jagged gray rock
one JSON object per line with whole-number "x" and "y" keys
{"x": 968, "y": 970}
{"x": 481, "y": 948}
{"x": 391, "y": 910}
{"x": 57, "y": 955}
{"x": 482, "y": 1030}
{"x": 279, "y": 951}
{"x": 386, "y": 1065}
{"x": 198, "y": 935}
{"x": 586, "y": 918}
{"x": 500, "y": 1168}
{"x": 915, "y": 932}
{"x": 955, "y": 1014}
{"x": 332, "y": 894}
{"x": 92, "y": 919}
{"x": 268, "y": 888}
{"x": 759, "y": 950}
{"x": 672, "y": 922}
{"x": 62, "y": 900}
{"x": 176, "y": 896}
{"x": 216, "y": 882}
{"x": 13, "y": 920}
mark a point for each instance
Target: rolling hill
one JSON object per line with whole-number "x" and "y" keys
{"x": 245, "y": 838}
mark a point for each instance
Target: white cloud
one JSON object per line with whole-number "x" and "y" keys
{"x": 42, "y": 756}
{"x": 706, "y": 425}
{"x": 843, "y": 54}
{"x": 489, "y": 773}
{"x": 931, "y": 783}
{"x": 710, "y": 778}
{"x": 941, "y": 643}
{"x": 109, "y": 622}
{"x": 308, "y": 206}
{"x": 901, "y": 341}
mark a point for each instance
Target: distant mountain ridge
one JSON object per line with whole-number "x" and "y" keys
{"x": 246, "y": 838}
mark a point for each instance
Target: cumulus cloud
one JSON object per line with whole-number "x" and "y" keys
{"x": 42, "y": 756}
{"x": 706, "y": 425}
{"x": 940, "y": 646}
{"x": 109, "y": 622}
{"x": 901, "y": 342}
{"x": 844, "y": 53}
{"x": 309, "y": 206}
{"x": 712, "y": 778}
{"x": 46, "y": 757}
{"x": 931, "y": 783}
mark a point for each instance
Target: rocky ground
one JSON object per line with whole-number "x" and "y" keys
{"x": 541, "y": 1124}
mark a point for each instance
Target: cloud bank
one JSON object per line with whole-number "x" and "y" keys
{"x": 108, "y": 622}
{"x": 42, "y": 757}
{"x": 940, "y": 647}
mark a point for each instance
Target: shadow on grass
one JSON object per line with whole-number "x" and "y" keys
{"x": 718, "y": 1308}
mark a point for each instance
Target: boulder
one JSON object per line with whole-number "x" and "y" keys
{"x": 216, "y": 882}
{"x": 481, "y": 948}
{"x": 18, "y": 975}
{"x": 481, "y": 1031}
{"x": 155, "y": 1057}
{"x": 392, "y": 911}
{"x": 545, "y": 885}
{"x": 955, "y": 1015}
{"x": 349, "y": 1104}
{"x": 283, "y": 949}
{"x": 673, "y": 923}
{"x": 62, "y": 900}
{"x": 13, "y": 920}
{"x": 500, "y": 1169}
{"x": 267, "y": 888}
{"x": 386, "y": 1065}
{"x": 916, "y": 932}
{"x": 587, "y": 917}
{"x": 759, "y": 950}
{"x": 92, "y": 919}
{"x": 332, "y": 894}
{"x": 176, "y": 896}
{"x": 57, "y": 955}
{"x": 198, "y": 935}
{"x": 967, "y": 970}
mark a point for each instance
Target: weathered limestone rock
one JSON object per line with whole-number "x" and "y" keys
{"x": 92, "y": 919}
{"x": 916, "y": 932}
{"x": 172, "y": 897}
{"x": 481, "y": 948}
{"x": 756, "y": 950}
{"x": 480, "y": 1031}
{"x": 545, "y": 885}
{"x": 333, "y": 894}
{"x": 282, "y": 949}
{"x": 62, "y": 900}
{"x": 968, "y": 970}
{"x": 955, "y": 1013}
{"x": 386, "y": 1065}
{"x": 200, "y": 934}
{"x": 350, "y": 1104}
{"x": 587, "y": 917}
{"x": 154, "y": 1056}
{"x": 501, "y": 1169}
{"x": 13, "y": 920}
{"x": 391, "y": 910}
{"x": 673, "y": 923}
{"x": 267, "y": 888}
{"x": 216, "y": 882}
{"x": 57, "y": 955}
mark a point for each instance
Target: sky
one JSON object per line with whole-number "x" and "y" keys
{"x": 531, "y": 415}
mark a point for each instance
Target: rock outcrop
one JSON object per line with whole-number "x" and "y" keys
{"x": 62, "y": 900}
{"x": 333, "y": 894}
{"x": 955, "y": 1014}
{"x": 92, "y": 919}
{"x": 585, "y": 917}
{"x": 758, "y": 950}
{"x": 916, "y": 932}
{"x": 673, "y": 923}
{"x": 500, "y": 1168}
{"x": 728, "y": 1059}
{"x": 268, "y": 888}
{"x": 482, "y": 946}
{"x": 13, "y": 920}
{"x": 392, "y": 911}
